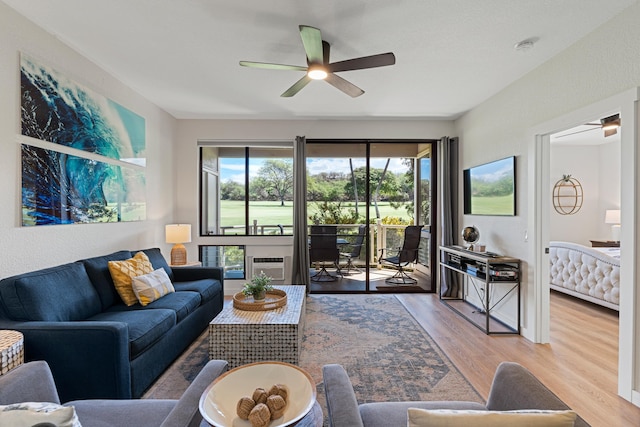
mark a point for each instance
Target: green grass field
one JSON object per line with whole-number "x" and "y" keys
{"x": 492, "y": 205}
{"x": 271, "y": 213}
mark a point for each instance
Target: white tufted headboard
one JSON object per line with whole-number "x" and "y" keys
{"x": 585, "y": 273}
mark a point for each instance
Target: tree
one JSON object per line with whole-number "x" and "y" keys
{"x": 380, "y": 181}
{"x": 231, "y": 190}
{"x": 355, "y": 186}
{"x": 276, "y": 177}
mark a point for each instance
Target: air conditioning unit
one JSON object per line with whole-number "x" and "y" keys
{"x": 273, "y": 267}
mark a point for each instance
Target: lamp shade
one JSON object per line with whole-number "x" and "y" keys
{"x": 612, "y": 216}
{"x": 178, "y": 233}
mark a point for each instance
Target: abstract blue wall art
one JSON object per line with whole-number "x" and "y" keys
{"x": 57, "y": 109}
{"x": 59, "y": 188}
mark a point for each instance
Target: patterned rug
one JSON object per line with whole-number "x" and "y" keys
{"x": 386, "y": 353}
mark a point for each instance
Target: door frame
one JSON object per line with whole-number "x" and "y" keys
{"x": 434, "y": 201}
{"x": 538, "y": 222}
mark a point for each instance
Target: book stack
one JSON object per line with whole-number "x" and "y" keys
{"x": 503, "y": 272}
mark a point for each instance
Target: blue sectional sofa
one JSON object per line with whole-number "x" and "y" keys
{"x": 97, "y": 347}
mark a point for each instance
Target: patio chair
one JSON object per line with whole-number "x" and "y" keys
{"x": 399, "y": 258}
{"x": 356, "y": 248}
{"x": 323, "y": 249}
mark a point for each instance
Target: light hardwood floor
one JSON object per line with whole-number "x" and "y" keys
{"x": 579, "y": 364}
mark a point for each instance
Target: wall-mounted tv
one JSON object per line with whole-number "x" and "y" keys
{"x": 490, "y": 189}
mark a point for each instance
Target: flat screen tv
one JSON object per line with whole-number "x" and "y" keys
{"x": 490, "y": 189}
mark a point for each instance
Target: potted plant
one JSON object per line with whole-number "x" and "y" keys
{"x": 258, "y": 287}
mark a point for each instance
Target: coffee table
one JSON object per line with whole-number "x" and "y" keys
{"x": 242, "y": 337}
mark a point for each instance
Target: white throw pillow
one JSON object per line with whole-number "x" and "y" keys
{"x": 28, "y": 414}
{"x": 152, "y": 286}
{"x": 465, "y": 418}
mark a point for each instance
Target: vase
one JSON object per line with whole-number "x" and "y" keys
{"x": 259, "y": 296}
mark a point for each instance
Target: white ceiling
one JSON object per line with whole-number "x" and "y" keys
{"x": 183, "y": 55}
{"x": 585, "y": 134}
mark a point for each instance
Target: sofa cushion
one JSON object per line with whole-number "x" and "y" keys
{"x": 463, "y": 418}
{"x": 182, "y": 303}
{"x": 145, "y": 326}
{"x": 207, "y": 288}
{"x": 152, "y": 286}
{"x": 98, "y": 271}
{"x": 61, "y": 293}
{"x": 30, "y": 414}
{"x": 123, "y": 272}
{"x": 158, "y": 261}
{"x": 386, "y": 414}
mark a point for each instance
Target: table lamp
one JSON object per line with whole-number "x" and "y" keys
{"x": 178, "y": 234}
{"x": 612, "y": 216}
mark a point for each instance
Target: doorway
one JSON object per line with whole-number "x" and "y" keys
{"x": 381, "y": 186}
{"x": 539, "y": 225}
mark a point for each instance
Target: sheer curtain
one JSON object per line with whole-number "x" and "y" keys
{"x": 448, "y": 149}
{"x": 300, "y": 267}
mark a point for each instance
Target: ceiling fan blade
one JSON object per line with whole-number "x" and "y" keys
{"x": 297, "y": 86}
{"x": 575, "y": 133}
{"x": 345, "y": 86}
{"x": 272, "y": 66}
{"x": 312, "y": 41}
{"x": 380, "y": 60}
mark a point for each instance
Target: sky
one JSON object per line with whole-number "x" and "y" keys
{"x": 233, "y": 168}
{"x": 493, "y": 171}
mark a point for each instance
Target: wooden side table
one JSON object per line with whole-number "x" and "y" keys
{"x": 604, "y": 244}
{"x": 188, "y": 264}
{"x": 11, "y": 350}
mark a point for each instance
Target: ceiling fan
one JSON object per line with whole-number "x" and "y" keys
{"x": 609, "y": 125}
{"x": 318, "y": 65}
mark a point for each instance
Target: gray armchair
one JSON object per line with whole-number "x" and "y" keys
{"x": 513, "y": 388}
{"x": 33, "y": 382}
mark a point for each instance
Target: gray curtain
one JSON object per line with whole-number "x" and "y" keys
{"x": 448, "y": 150}
{"x": 300, "y": 267}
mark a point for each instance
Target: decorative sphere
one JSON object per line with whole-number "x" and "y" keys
{"x": 470, "y": 234}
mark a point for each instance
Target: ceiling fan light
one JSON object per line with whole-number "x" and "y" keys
{"x": 611, "y": 122}
{"x": 317, "y": 73}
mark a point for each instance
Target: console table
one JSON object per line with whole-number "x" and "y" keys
{"x": 485, "y": 274}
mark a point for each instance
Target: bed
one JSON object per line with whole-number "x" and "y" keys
{"x": 592, "y": 274}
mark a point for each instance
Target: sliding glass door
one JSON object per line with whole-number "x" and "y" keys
{"x": 384, "y": 186}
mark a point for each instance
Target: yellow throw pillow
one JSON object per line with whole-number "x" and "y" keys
{"x": 465, "y": 418}
{"x": 152, "y": 286}
{"x": 123, "y": 272}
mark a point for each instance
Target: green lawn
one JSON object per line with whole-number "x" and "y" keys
{"x": 271, "y": 213}
{"x": 492, "y": 205}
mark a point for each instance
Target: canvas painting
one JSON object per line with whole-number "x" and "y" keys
{"x": 58, "y": 110}
{"x": 59, "y": 188}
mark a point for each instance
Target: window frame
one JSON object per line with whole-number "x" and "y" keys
{"x": 204, "y": 215}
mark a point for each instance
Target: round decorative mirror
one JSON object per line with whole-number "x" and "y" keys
{"x": 567, "y": 195}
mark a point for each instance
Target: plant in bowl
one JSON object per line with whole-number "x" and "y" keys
{"x": 258, "y": 287}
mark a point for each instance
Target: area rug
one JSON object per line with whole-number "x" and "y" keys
{"x": 386, "y": 353}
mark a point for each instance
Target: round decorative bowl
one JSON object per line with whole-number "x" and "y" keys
{"x": 219, "y": 401}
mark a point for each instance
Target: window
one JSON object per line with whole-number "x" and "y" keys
{"x": 230, "y": 258}
{"x": 246, "y": 190}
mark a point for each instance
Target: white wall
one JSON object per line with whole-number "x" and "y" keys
{"x": 28, "y": 248}
{"x": 597, "y": 168}
{"x": 601, "y": 65}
